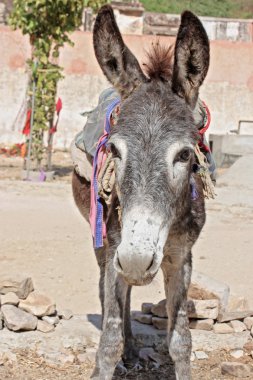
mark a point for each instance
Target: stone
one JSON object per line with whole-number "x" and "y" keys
{"x": 51, "y": 320}
{"x": 237, "y": 354}
{"x": 248, "y": 321}
{"x": 202, "y": 324}
{"x": 8, "y": 356}
{"x": 232, "y": 315}
{"x": 18, "y": 320}
{"x": 67, "y": 359}
{"x": 159, "y": 310}
{"x": 38, "y": 304}
{"x": 222, "y": 328}
{"x": 237, "y": 303}
{"x": 237, "y": 326}
{"x": 44, "y": 326}
{"x": 1, "y": 324}
{"x": 201, "y": 355}
{"x": 203, "y": 309}
{"x": 87, "y": 357}
{"x": 146, "y": 307}
{"x": 236, "y": 369}
{"x": 21, "y": 288}
{"x": 65, "y": 314}
{"x": 10, "y": 299}
{"x": 193, "y": 357}
{"x": 251, "y": 331}
{"x": 149, "y": 336}
{"x": 143, "y": 318}
{"x": 248, "y": 346}
{"x": 160, "y": 323}
{"x": 203, "y": 287}
{"x": 145, "y": 352}
{"x": 58, "y": 358}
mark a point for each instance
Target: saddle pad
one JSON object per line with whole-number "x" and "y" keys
{"x": 87, "y": 139}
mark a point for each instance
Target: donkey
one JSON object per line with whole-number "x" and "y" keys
{"x": 153, "y": 151}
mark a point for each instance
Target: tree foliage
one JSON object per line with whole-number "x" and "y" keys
{"x": 48, "y": 24}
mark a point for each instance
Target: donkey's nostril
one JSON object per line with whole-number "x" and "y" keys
{"x": 152, "y": 262}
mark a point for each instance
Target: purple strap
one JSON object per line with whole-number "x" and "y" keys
{"x": 194, "y": 192}
{"x": 98, "y": 235}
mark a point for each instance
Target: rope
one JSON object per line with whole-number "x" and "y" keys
{"x": 203, "y": 171}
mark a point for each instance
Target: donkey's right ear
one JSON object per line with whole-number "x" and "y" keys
{"x": 115, "y": 59}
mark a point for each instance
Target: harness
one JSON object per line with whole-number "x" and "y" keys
{"x": 98, "y": 226}
{"x": 103, "y": 174}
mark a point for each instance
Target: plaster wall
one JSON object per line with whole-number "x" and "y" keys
{"x": 228, "y": 89}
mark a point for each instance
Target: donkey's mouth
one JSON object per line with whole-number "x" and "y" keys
{"x": 134, "y": 274}
{"x": 140, "y": 282}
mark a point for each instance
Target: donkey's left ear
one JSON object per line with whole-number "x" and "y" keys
{"x": 115, "y": 59}
{"x": 191, "y": 58}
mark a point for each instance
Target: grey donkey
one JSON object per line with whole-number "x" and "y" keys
{"x": 153, "y": 151}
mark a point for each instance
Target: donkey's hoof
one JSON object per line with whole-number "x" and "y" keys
{"x": 95, "y": 374}
{"x": 121, "y": 368}
{"x": 155, "y": 365}
{"x": 131, "y": 357}
{"x": 137, "y": 367}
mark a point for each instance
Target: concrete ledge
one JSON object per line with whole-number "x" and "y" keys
{"x": 83, "y": 331}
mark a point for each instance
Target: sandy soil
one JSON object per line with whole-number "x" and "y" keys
{"x": 43, "y": 236}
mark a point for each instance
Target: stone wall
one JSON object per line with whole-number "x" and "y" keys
{"x": 228, "y": 89}
{"x": 216, "y": 28}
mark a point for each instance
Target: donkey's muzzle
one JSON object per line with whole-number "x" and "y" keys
{"x": 140, "y": 252}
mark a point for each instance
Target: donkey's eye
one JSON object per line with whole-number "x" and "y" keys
{"x": 115, "y": 152}
{"x": 184, "y": 155}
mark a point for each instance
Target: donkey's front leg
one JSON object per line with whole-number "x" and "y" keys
{"x": 177, "y": 281}
{"x": 111, "y": 340}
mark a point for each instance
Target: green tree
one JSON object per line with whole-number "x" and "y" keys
{"x": 48, "y": 24}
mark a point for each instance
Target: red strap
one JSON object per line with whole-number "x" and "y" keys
{"x": 208, "y": 121}
{"x": 202, "y": 131}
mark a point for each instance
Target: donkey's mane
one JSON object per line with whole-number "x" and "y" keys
{"x": 160, "y": 62}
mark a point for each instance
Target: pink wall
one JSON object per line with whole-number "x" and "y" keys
{"x": 230, "y": 61}
{"x": 228, "y": 88}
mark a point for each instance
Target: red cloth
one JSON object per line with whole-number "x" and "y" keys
{"x": 26, "y": 129}
{"x": 58, "y": 109}
{"x": 58, "y": 106}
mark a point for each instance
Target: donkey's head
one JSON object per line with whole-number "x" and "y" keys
{"x": 153, "y": 141}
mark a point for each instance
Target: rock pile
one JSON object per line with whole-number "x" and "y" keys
{"x": 210, "y": 307}
{"x": 213, "y": 309}
{"x": 24, "y": 309}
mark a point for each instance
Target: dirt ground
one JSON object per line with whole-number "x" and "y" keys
{"x": 43, "y": 236}
{"x": 31, "y": 367}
